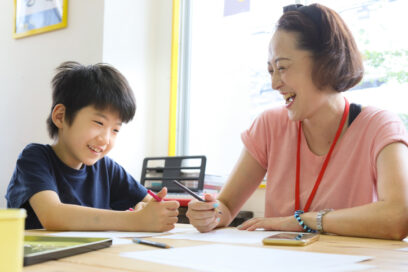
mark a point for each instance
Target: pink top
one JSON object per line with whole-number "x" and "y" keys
{"x": 351, "y": 175}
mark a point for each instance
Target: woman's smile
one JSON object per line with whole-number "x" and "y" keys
{"x": 289, "y": 99}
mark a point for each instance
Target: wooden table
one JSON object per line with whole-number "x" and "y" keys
{"x": 385, "y": 255}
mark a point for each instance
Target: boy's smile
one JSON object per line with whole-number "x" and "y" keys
{"x": 95, "y": 149}
{"x": 89, "y": 138}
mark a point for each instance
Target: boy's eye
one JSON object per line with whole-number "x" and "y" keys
{"x": 99, "y": 123}
{"x": 281, "y": 68}
{"x": 116, "y": 130}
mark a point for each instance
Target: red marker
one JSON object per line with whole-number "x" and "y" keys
{"x": 154, "y": 196}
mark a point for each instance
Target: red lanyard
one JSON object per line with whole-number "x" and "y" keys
{"x": 326, "y": 161}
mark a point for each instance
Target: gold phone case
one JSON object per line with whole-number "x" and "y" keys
{"x": 296, "y": 240}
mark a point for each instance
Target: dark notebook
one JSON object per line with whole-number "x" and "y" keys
{"x": 38, "y": 248}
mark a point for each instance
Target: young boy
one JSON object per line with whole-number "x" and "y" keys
{"x": 71, "y": 185}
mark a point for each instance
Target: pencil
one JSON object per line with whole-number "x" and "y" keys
{"x": 150, "y": 243}
{"x": 188, "y": 190}
{"x": 192, "y": 193}
{"x": 154, "y": 196}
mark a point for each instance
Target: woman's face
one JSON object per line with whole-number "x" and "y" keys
{"x": 291, "y": 73}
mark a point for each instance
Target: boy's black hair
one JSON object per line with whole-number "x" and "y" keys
{"x": 77, "y": 86}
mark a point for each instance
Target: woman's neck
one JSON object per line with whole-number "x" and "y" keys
{"x": 320, "y": 129}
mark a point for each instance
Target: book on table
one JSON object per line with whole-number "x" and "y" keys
{"x": 41, "y": 248}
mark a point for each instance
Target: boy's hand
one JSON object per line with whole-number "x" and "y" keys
{"x": 159, "y": 216}
{"x": 163, "y": 192}
{"x": 139, "y": 206}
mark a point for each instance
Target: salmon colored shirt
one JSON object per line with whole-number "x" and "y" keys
{"x": 351, "y": 175}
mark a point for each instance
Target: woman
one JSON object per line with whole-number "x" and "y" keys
{"x": 330, "y": 166}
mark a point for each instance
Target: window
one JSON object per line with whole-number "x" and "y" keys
{"x": 228, "y": 80}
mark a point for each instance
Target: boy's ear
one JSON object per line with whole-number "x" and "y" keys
{"x": 58, "y": 115}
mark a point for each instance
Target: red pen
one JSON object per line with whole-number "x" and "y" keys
{"x": 154, "y": 196}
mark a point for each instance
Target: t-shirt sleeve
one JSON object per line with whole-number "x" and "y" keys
{"x": 256, "y": 139}
{"x": 388, "y": 129}
{"x": 32, "y": 174}
{"x": 126, "y": 192}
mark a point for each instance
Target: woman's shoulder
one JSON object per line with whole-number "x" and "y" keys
{"x": 271, "y": 123}
{"x": 274, "y": 115}
{"x": 275, "y": 112}
{"x": 378, "y": 116}
{"x": 377, "y": 123}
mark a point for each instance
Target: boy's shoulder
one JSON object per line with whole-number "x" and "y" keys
{"x": 35, "y": 149}
{"x": 107, "y": 162}
{"x": 37, "y": 154}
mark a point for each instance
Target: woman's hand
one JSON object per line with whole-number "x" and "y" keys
{"x": 287, "y": 223}
{"x": 204, "y": 216}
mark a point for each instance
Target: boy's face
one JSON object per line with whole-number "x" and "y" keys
{"x": 89, "y": 138}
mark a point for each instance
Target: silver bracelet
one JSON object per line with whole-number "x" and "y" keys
{"x": 319, "y": 219}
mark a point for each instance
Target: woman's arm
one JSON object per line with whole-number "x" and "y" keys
{"x": 387, "y": 218}
{"x": 244, "y": 179}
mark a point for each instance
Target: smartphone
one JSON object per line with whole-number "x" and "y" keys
{"x": 291, "y": 239}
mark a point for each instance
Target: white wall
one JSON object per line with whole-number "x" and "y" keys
{"x": 26, "y": 68}
{"x": 137, "y": 41}
{"x": 134, "y": 36}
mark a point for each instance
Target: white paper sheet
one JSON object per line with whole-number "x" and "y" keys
{"x": 226, "y": 258}
{"x": 121, "y": 241}
{"x": 114, "y": 234}
{"x": 229, "y": 235}
{"x": 405, "y": 248}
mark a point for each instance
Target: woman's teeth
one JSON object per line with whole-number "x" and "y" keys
{"x": 289, "y": 97}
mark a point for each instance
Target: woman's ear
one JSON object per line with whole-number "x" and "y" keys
{"x": 58, "y": 115}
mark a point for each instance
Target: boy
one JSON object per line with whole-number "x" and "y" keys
{"x": 71, "y": 185}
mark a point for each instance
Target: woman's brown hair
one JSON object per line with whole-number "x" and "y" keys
{"x": 320, "y": 30}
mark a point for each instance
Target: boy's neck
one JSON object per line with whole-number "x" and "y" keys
{"x": 61, "y": 154}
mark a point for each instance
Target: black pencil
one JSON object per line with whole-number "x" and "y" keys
{"x": 188, "y": 190}
{"x": 150, "y": 243}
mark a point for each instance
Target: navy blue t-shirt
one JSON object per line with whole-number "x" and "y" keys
{"x": 104, "y": 185}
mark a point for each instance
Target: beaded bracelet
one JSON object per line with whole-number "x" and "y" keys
{"x": 301, "y": 223}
